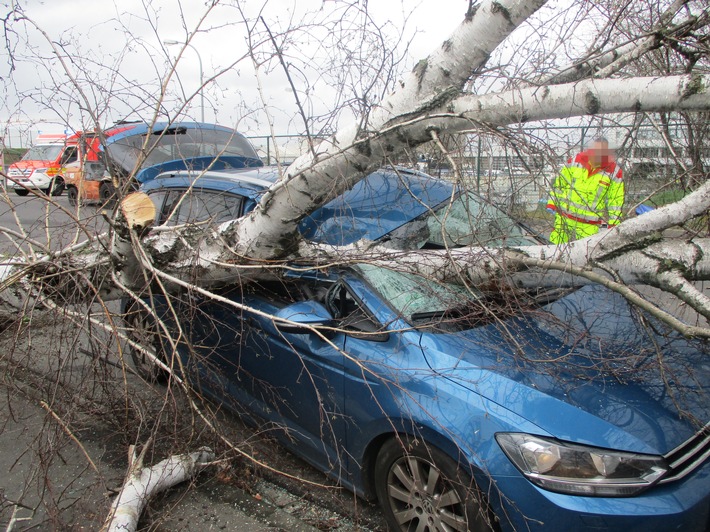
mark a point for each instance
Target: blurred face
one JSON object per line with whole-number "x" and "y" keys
{"x": 600, "y": 152}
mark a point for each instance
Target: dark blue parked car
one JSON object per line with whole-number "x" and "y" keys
{"x": 459, "y": 407}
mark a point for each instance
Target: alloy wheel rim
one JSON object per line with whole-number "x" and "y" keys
{"x": 422, "y": 499}
{"x": 143, "y": 336}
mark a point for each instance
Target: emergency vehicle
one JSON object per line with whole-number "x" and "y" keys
{"x": 89, "y": 179}
{"x": 42, "y": 167}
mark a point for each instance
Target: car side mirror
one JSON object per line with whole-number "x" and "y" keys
{"x": 304, "y": 316}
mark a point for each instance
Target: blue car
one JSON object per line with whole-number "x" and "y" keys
{"x": 458, "y": 407}
{"x": 166, "y": 146}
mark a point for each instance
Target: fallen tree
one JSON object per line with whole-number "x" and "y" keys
{"x": 429, "y": 100}
{"x": 433, "y": 100}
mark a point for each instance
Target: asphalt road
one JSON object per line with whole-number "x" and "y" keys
{"x": 62, "y": 475}
{"x": 61, "y": 462}
{"x": 33, "y": 222}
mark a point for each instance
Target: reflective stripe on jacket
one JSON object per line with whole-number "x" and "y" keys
{"x": 586, "y": 194}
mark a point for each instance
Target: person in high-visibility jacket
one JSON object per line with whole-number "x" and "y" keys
{"x": 587, "y": 194}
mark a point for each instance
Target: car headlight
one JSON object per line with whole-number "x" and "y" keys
{"x": 580, "y": 469}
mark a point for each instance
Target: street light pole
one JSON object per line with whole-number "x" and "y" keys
{"x": 202, "y": 79}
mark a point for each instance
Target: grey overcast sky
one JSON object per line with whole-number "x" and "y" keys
{"x": 120, "y": 44}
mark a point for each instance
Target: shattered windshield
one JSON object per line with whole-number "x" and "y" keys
{"x": 414, "y": 297}
{"x": 46, "y": 152}
{"x": 179, "y": 143}
{"x": 467, "y": 220}
{"x": 445, "y": 306}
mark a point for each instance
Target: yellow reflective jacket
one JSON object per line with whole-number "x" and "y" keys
{"x": 588, "y": 195}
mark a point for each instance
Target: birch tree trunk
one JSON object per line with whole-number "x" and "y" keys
{"x": 428, "y": 100}
{"x": 144, "y": 482}
{"x": 270, "y": 230}
{"x": 297, "y": 198}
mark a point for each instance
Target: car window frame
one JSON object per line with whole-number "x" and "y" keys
{"x": 168, "y": 208}
{"x": 349, "y": 323}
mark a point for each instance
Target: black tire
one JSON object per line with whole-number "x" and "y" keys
{"x": 73, "y": 196}
{"x": 107, "y": 194}
{"x": 143, "y": 330}
{"x": 421, "y": 488}
{"x": 21, "y": 191}
{"x": 57, "y": 186}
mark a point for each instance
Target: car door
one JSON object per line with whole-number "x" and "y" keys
{"x": 384, "y": 373}
{"x": 292, "y": 380}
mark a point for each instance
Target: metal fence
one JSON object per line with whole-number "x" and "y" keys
{"x": 515, "y": 166}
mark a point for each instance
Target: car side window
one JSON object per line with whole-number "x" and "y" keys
{"x": 195, "y": 206}
{"x": 192, "y": 208}
{"x": 352, "y": 315}
{"x": 69, "y": 156}
{"x": 158, "y": 199}
{"x": 220, "y": 206}
{"x": 168, "y": 215}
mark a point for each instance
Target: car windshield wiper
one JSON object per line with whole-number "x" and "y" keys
{"x": 421, "y": 316}
{"x": 454, "y": 312}
{"x": 456, "y": 318}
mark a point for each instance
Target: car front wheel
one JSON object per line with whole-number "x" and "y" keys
{"x": 421, "y": 488}
{"x": 21, "y": 191}
{"x": 73, "y": 196}
{"x": 55, "y": 188}
{"x": 143, "y": 330}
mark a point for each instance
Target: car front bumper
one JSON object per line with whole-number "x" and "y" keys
{"x": 40, "y": 181}
{"x": 680, "y": 505}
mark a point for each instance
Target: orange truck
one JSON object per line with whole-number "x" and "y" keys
{"x": 42, "y": 167}
{"x": 87, "y": 179}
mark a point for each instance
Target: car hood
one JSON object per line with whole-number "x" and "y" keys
{"x": 376, "y": 205}
{"x": 26, "y": 165}
{"x": 197, "y": 164}
{"x": 586, "y": 368}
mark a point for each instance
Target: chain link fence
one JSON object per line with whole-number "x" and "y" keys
{"x": 514, "y": 167}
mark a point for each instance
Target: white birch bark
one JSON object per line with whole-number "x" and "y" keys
{"x": 588, "y": 97}
{"x": 430, "y": 98}
{"x": 269, "y": 231}
{"x": 144, "y": 482}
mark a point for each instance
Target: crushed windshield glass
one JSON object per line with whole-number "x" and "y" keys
{"x": 451, "y": 307}
{"x": 415, "y": 297}
{"x": 467, "y": 220}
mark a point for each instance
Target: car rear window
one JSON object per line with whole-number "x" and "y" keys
{"x": 196, "y": 206}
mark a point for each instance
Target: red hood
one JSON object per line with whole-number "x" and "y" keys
{"x": 608, "y": 162}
